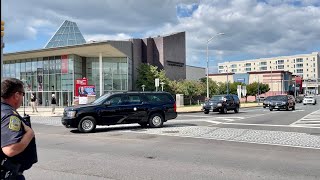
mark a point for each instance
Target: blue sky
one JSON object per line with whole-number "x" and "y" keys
{"x": 253, "y": 28}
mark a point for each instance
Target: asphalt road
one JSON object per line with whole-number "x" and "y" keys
{"x": 253, "y": 144}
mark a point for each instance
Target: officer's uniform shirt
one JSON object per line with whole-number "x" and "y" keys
{"x": 12, "y": 132}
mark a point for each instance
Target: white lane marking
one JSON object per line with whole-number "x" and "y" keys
{"x": 311, "y": 120}
{"x": 271, "y": 125}
{"x": 195, "y": 116}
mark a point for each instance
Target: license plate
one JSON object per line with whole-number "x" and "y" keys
{"x": 276, "y": 107}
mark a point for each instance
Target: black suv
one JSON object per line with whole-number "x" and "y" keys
{"x": 222, "y": 104}
{"x": 145, "y": 108}
{"x": 282, "y": 102}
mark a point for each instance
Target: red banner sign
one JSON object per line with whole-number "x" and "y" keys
{"x": 64, "y": 64}
{"x": 78, "y": 83}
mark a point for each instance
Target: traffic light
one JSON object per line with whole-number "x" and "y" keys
{"x": 2, "y": 28}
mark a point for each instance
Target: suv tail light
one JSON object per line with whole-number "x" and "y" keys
{"x": 175, "y": 107}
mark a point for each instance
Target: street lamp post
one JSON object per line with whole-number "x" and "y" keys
{"x": 295, "y": 93}
{"x": 227, "y": 80}
{"x": 208, "y": 61}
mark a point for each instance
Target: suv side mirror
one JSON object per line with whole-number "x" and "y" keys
{"x": 107, "y": 103}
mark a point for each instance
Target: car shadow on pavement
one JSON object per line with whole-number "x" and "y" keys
{"x": 132, "y": 128}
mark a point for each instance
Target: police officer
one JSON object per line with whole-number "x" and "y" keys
{"x": 17, "y": 138}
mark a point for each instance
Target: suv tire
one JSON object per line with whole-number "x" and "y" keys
{"x": 236, "y": 110}
{"x": 156, "y": 120}
{"x": 87, "y": 124}
{"x": 206, "y": 111}
{"x": 224, "y": 110}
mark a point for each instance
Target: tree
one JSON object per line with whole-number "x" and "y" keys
{"x": 147, "y": 74}
{"x": 189, "y": 88}
{"x": 252, "y": 89}
{"x": 213, "y": 87}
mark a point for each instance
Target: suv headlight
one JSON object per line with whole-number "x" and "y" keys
{"x": 283, "y": 103}
{"x": 219, "y": 104}
{"x": 71, "y": 114}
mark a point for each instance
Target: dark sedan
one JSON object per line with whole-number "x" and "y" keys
{"x": 282, "y": 102}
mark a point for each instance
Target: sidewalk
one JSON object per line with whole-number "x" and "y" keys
{"x": 46, "y": 111}
{"x": 190, "y": 109}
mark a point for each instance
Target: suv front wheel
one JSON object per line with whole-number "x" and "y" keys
{"x": 87, "y": 124}
{"x": 156, "y": 120}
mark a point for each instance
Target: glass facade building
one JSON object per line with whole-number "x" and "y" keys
{"x": 109, "y": 66}
{"x": 57, "y": 74}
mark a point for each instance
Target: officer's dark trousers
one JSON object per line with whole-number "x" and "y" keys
{"x": 20, "y": 177}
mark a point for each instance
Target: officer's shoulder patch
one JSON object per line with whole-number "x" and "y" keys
{"x": 15, "y": 123}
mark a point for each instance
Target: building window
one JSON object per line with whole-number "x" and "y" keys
{"x": 263, "y": 68}
{"x": 248, "y": 69}
{"x": 314, "y": 64}
{"x": 280, "y": 66}
{"x": 287, "y": 66}
{"x": 220, "y": 67}
{"x": 299, "y": 65}
{"x": 263, "y": 63}
{"x": 233, "y": 66}
{"x": 248, "y": 64}
{"x": 173, "y": 63}
{"x": 280, "y": 61}
{"x": 299, "y": 60}
{"x": 299, "y": 70}
{"x": 233, "y": 70}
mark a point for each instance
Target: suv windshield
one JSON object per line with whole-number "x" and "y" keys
{"x": 217, "y": 98}
{"x": 101, "y": 99}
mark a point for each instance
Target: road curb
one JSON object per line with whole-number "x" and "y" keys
{"x": 197, "y": 111}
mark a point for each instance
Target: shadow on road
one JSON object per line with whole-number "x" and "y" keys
{"x": 132, "y": 128}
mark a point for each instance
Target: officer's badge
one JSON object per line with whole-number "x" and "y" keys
{"x": 15, "y": 123}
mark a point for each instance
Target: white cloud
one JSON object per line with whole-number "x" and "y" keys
{"x": 252, "y": 28}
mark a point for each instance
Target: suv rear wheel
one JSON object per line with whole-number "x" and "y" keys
{"x": 206, "y": 111}
{"x": 236, "y": 110}
{"x": 87, "y": 124}
{"x": 156, "y": 120}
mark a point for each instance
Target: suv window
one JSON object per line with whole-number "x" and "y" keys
{"x": 158, "y": 98}
{"x": 235, "y": 97}
{"x": 116, "y": 100}
{"x": 229, "y": 98}
{"x": 134, "y": 99}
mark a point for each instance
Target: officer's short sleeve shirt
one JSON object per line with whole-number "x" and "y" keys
{"x": 11, "y": 129}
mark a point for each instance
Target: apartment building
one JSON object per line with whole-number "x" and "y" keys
{"x": 306, "y": 66}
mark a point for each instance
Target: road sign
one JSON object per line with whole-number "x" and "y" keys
{"x": 157, "y": 82}
{"x": 244, "y": 90}
{"x": 239, "y": 91}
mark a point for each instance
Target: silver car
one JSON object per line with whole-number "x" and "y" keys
{"x": 309, "y": 100}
